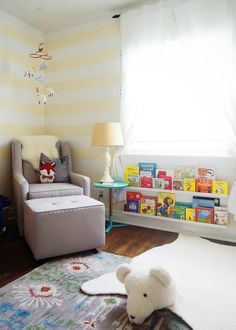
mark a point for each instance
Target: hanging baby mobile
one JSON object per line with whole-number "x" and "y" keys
{"x": 43, "y": 92}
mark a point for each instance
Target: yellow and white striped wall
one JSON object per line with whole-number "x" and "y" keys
{"x": 85, "y": 73}
{"x": 19, "y": 112}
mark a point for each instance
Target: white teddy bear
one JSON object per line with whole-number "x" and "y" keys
{"x": 147, "y": 290}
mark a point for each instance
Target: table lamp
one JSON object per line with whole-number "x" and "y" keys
{"x": 107, "y": 135}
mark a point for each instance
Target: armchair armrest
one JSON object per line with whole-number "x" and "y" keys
{"x": 21, "y": 189}
{"x": 82, "y": 181}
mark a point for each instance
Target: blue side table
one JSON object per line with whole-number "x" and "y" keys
{"x": 110, "y": 186}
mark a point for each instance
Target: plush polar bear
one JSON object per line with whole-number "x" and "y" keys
{"x": 147, "y": 290}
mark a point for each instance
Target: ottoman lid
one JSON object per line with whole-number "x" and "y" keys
{"x": 61, "y": 203}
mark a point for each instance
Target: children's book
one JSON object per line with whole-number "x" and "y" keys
{"x": 220, "y": 187}
{"x": 203, "y": 185}
{"x": 190, "y": 214}
{"x": 204, "y": 214}
{"x": 132, "y": 206}
{"x": 133, "y": 201}
{"x": 148, "y": 167}
{"x": 167, "y": 182}
{"x": 148, "y": 205}
{"x": 184, "y": 172}
{"x": 145, "y": 182}
{"x": 189, "y": 184}
{"x": 165, "y": 201}
{"x": 133, "y": 180}
{"x": 163, "y": 172}
{"x": 205, "y": 201}
{"x": 158, "y": 183}
{"x": 131, "y": 169}
{"x": 205, "y": 172}
{"x": 145, "y": 173}
{"x": 178, "y": 185}
{"x": 177, "y": 212}
{"x": 220, "y": 215}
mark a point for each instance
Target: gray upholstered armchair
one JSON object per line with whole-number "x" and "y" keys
{"x": 26, "y": 181}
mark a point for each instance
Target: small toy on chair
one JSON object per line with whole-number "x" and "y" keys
{"x": 47, "y": 172}
{"x": 147, "y": 290}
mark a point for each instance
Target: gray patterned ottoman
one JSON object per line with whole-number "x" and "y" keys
{"x": 63, "y": 225}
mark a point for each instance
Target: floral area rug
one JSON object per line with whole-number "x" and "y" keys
{"x": 49, "y": 297}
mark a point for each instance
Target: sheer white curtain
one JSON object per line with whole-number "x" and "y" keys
{"x": 178, "y": 78}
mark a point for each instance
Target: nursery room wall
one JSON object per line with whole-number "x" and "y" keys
{"x": 85, "y": 73}
{"x": 19, "y": 111}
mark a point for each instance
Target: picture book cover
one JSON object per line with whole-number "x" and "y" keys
{"x": 177, "y": 212}
{"x": 165, "y": 201}
{"x": 184, "y": 172}
{"x": 133, "y": 201}
{"x": 158, "y": 183}
{"x": 131, "y": 169}
{"x": 163, "y": 172}
{"x": 133, "y": 180}
{"x": 190, "y": 214}
{"x": 220, "y": 187}
{"x": 205, "y": 201}
{"x": 132, "y": 206}
{"x": 206, "y": 173}
{"x": 145, "y": 173}
{"x": 189, "y": 184}
{"x": 203, "y": 185}
{"x": 220, "y": 215}
{"x": 167, "y": 182}
{"x": 148, "y": 167}
{"x": 204, "y": 214}
{"x": 134, "y": 195}
{"x": 148, "y": 205}
{"x": 178, "y": 185}
{"x": 145, "y": 182}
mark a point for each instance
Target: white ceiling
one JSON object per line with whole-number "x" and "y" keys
{"x": 54, "y": 15}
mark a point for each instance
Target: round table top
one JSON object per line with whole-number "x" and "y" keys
{"x": 113, "y": 184}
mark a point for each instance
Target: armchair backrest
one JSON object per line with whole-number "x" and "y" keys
{"x": 24, "y": 167}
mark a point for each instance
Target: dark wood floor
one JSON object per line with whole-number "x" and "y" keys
{"x": 16, "y": 258}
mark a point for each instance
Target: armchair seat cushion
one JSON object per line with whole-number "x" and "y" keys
{"x": 45, "y": 190}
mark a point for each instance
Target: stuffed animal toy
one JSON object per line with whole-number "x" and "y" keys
{"x": 47, "y": 171}
{"x": 147, "y": 289}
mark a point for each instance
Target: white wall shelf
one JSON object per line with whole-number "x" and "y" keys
{"x": 178, "y": 192}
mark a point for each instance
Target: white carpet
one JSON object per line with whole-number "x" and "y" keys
{"x": 205, "y": 275}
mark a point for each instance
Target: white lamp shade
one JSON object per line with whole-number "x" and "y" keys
{"x": 107, "y": 134}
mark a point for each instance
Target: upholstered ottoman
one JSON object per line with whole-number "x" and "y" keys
{"x": 62, "y": 225}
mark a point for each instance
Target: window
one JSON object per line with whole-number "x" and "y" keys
{"x": 177, "y": 79}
